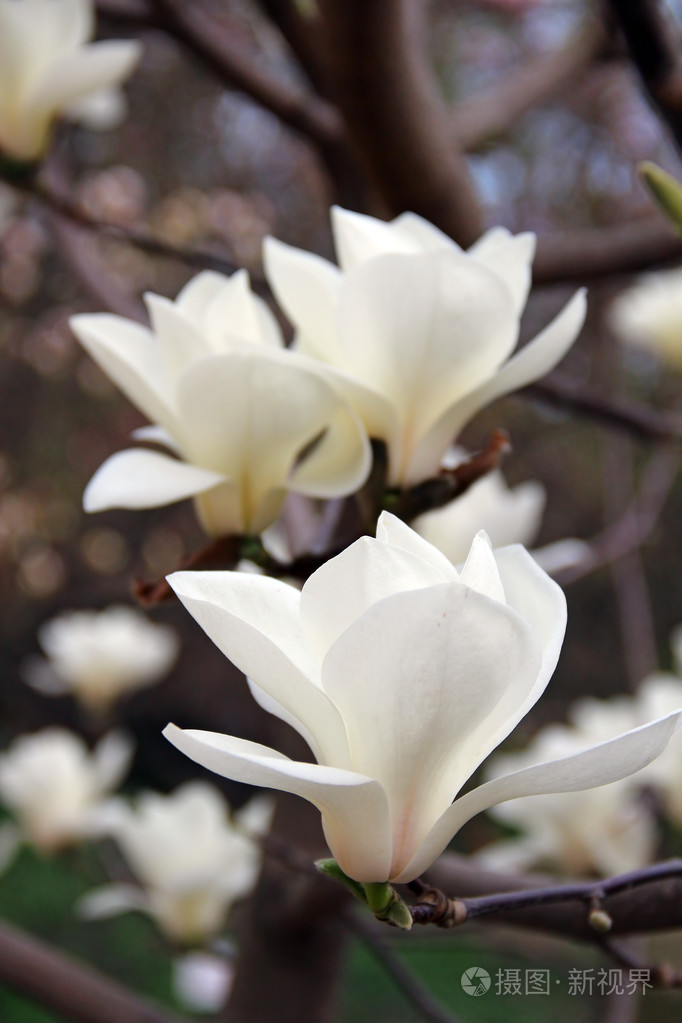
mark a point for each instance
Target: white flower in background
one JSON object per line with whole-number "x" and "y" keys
{"x": 191, "y": 859}
{"x": 606, "y": 830}
{"x": 203, "y": 981}
{"x": 402, "y": 674}
{"x": 659, "y": 694}
{"x": 54, "y": 785}
{"x": 507, "y": 515}
{"x": 420, "y": 331}
{"x": 248, "y": 419}
{"x": 649, "y": 315}
{"x": 98, "y": 656}
{"x": 48, "y": 70}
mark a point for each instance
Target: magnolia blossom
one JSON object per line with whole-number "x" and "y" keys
{"x": 649, "y": 315}
{"x": 48, "y": 69}
{"x": 420, "y": 331}
{"x": 403, "y": 674}
{"x": 606, "y": 830}
{"x": 507, "y": 515}
{"x": 54, "y": 786}
{"x": 99, "y": 656}
{"x": 249, "y": 419}
{"x": 192, "y": 860}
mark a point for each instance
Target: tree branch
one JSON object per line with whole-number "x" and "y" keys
{"x": 653, "y": 40}
{"x": 78, "y": 992}
{"x": 487, "y": 115}
{"x": 395, "y": 117}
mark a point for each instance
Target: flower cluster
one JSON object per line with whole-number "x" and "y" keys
{"x": 403, "y": 343}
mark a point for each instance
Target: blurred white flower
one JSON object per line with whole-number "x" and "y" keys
{"x": 98, "y": 656}
{"x": 402, "y": 674}
{"x": 649, "y": 315}
{"x": 191, "y": 859}
{"x": 202, "y": 981}
{"x": 507, "y": 515}
{"x": 249, "y": 419}
{"x": 420, "y": 331}
{"x": 54, "y": 785}
{"x": 48, "y": 70}
{"x": 606, "y": 830}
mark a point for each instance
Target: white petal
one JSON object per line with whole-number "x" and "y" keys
{"x": 425, "y": 236}
{"x": 354, "y": 808}
{"x": 111, "y": 760}
{"x": 235, "y": 311}
{"x": 480, "y": 571}
{"x": 393, "y": 531}
{"x": 110, "y": 900}
{"x": 198, "y": 292}
{"x": 511, "y": 256}
{"x": 306, "y": 287}
{"x": 420, "y": 680}
{"x": 254, "y": 621}
{"x": 129, "y": 355}
{"x": 358, "y": 238}
{"x": 340, "y": 461}
{"x": 179, "y": 341}
{"x": 533, "y": 361}
{"x": 608, "y": 762}
{"x": 145, "y": 479}
{"x": 88, "y": 69}
{"x": 99, "y": 111}
{"x": 346, "y": 586}
{"x": 155, "y": 435}
{"x": 566, "y": 553}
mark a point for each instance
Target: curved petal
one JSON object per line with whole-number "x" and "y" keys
{"x": 236, "y": 312}
{"x": 111, "y": 760}
{"x": 346, "y": 586}
{"x": 99, "y": 111}
{"x": 533, "y": 361}
{"x": 392, "y": 530}
{"x": 194, "y": 298}
{"x": 156, "y": 435}
{"x": 510, "y": 256}
{"x": 608, "y": 762}
{"x": 306, "y": 286}
{"x": 254, "y": 620}
{"x": 110, "y": 900}
{"x": 420, "y": 679}
{"x": 354, "y": 808}
{"x": 339, "y": 462}
{"x": 128, "y": 354}
{"x": 179, "y": 341}
{"x": 85, "y": 70}
{"x": 145, "y": 479}
{"x": 424, "y": 235}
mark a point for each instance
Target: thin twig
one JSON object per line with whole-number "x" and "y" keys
{"x": 640, "y": 420}
{"x": 417, "y": 995}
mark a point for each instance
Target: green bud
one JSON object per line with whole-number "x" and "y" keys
{"x": 666, "y": 191}
{"x": 330, "y": 868}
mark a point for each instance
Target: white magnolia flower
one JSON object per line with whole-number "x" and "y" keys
{"x": 54, "y": 786}
{"x": 403, "y": 674}
{"x": 48, "y": 69}
{"x": 507, "y": 515}
{"x": 248, "y": 418}
{"x": 421, "y": 331}
{"x": 99, "y": 656}
{"x": 192, "y": 861}
{"x": 649, "y": 315}
{"x": 605, "y": 830}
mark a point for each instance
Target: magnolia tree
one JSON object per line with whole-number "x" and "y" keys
{"x": 294, "y": 264}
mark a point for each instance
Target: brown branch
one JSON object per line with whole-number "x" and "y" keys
{"x": 450, "y": 483}
{"x": 595, "y": 253}
{"x": 487, "y": 115}
{"x": 73, "y": 990}
{"x": 643, "y": 902}
{"x": 223, "y": 553}
{"x": 417, "y": 995}
{"x": 653, "y": 40}
{"x": 640, "y": 420}
{"x": 399, "y": 124}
